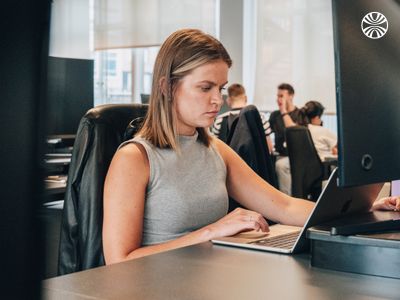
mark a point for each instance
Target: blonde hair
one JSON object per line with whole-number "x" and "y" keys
{"x": 183, "y": 51}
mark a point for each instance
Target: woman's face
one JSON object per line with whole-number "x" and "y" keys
{"x": 198, "y": 96}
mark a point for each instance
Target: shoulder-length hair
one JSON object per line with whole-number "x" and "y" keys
{"x": 182, "y": 52}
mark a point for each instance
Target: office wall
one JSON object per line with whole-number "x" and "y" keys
{"x": 231, "y": 35}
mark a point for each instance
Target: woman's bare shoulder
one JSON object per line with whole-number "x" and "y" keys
{"x": 131, "y": 156}
{"x": 132, "y": 151}
{"x": 224, "y": 150}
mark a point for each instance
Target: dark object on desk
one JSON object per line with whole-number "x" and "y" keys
{"x": 58, "y": 153}
{"x": 100, "y": 133}
{"x": 247, "y": 138}
{"x": 305, "y": 165}
{"x": 374, "y": 254}
{"x": 376, "y": 221}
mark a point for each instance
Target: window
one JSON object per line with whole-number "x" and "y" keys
{"x": 126, "y": 81}
{"x": 121, "y": 75}
{"x": 111, "y": 64}
{"x": 289, "y": 41}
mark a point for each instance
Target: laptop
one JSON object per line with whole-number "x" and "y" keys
{"x": 334, "y": 202}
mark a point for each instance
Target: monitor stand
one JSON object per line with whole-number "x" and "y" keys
{"x": 360, "y": 252}
{"x": 371, "y": 222}
{"x": 367, "y": 227}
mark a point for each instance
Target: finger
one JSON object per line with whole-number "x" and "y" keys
{"x": 262, "y": 223}
{"x": 390, "y": 203}
{"x": 253, "y": 224}
{"x": 397, "y": 203}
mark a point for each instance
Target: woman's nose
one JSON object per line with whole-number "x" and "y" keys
{"x": 217, "y": 99}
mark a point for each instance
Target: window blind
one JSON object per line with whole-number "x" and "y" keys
{"x": 145, "y": 23}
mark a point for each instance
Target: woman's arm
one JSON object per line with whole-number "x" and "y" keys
{"x": 124, "y": 199}
{"x": 250, "y": 190}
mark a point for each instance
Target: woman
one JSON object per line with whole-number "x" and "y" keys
{"x": 169, "y": 186}
{"x": 325, "y": 141}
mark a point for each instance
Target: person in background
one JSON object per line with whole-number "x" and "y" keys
{"x": 325, "y": 141}
{"x": 168, "y": 187}
{"x": 286, "y": 116}
{"x": 236, "y": 100}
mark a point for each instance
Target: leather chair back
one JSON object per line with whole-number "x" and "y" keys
{"x": 248, "y": 140}
{"x": 305, "y": 164}
{"x": 100, "y": 132}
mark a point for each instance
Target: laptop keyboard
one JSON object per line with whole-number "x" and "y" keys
{"x": 285, "y": 241}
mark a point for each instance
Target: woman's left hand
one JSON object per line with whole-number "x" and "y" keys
{"x": 387, "y": 203}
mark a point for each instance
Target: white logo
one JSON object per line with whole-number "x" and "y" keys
{"x": 374, "y": 25}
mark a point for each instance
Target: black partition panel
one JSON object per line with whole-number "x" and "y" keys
{"x": 24, "y": 29}
{"x": 70, "y": 93}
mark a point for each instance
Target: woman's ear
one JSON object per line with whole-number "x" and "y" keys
{"x": 163, "y": 86}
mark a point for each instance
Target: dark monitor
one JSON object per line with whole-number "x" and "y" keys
{"x": 145, "y": 98}
{"x": 69, "y": 93}
{"x": 367, "y": 64}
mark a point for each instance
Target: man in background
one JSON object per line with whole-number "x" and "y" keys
{"x": 286, "y": 116}
{"x": 236, "y": 100}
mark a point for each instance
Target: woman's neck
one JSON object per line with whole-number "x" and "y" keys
{"x": 316, "y": 121}
{"x": 186, "y": 131}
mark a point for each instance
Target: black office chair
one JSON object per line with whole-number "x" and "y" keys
{"x": 247, "y": 138}
{"x": 305, "y": 164}
{"x": 100, "y": 132}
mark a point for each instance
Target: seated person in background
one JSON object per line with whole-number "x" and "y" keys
{"x": 325, "y": 141}
{"x": 169, "y": 186}
{"x": 236, "y": 100}
{"x": 287, "y": 115}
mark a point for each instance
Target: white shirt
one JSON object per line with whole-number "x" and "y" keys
{"x": 324, "y": 140}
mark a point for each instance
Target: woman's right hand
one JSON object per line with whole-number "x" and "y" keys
{"x": 387, "y": 203}
{"x": 237, "y": 221}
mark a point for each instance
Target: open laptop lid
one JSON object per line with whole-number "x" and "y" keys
{"x": 336, "y": 202}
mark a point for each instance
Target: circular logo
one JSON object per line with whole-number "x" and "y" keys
{"x": 374, "y": 25}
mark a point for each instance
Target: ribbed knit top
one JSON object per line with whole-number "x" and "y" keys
{"x": 186, "y": 190}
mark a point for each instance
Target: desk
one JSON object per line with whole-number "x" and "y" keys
{"x": 206, "y": 271}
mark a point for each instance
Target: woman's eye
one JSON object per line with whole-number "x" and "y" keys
{"x": 205, "y": 88}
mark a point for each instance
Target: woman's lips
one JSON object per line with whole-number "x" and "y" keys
{"x": 212, "y": 113}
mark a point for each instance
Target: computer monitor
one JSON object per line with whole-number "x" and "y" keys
{"x": 367, "y": 64}
{"x": 69, "y": 93}
{"x": 145, "y": 98}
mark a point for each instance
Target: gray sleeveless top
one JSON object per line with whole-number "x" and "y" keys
{"x": 186, "y": 191}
